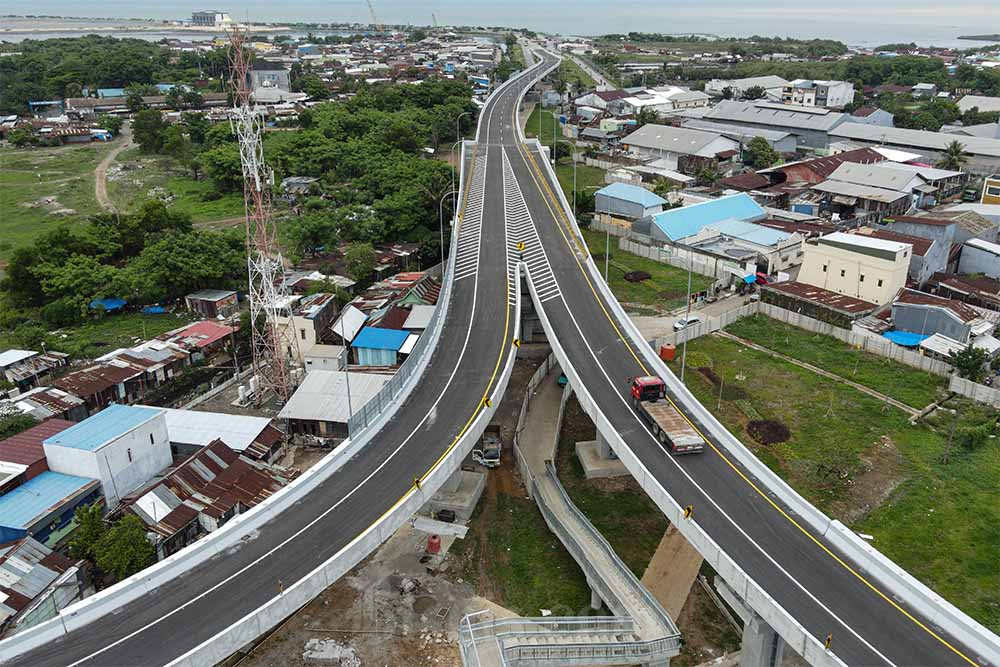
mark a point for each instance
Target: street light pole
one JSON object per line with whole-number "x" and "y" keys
{"x": 441, "y": 218}
{"x": 687, "y": 318}
{"x": 454, "y": 165}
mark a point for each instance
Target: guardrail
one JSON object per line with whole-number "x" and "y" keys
{"x": 617, "y": 653}
{"x": 903, "y": 585}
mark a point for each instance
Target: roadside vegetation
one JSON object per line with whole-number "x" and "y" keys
{"x": 663, "y": 291}
{"x": 862, "y": 462}
{"x": 904, "y": 383}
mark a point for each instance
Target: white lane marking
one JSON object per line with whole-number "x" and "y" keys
{"x": 363, "y": 482}
{"x": 708, "y": 497}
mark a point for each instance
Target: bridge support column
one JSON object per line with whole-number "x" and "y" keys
{"x": 595, "y": 600}
{"x": 604, "y": 448}
{"x": 762, "y": 647}
{"x": 452, "y": 483}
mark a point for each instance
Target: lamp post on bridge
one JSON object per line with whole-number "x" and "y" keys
{"x": 441, "y": 220}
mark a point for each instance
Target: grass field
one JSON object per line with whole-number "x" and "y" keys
{"x": 570, "y": 71}
{"x": 41, "y": 188}
{"x": 531, "y": 127}
{"x": 135, "y": 178}
{"x": 911, "y": 386}
{"x": 863, "y": 463}
{"x": 527, "y": 562}
{"x": 100, "y": 336}
{"x": 664, "y": 291}
{"x": 619, "y": 509}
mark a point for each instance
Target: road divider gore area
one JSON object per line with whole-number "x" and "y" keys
{"x": 901, "y": 585}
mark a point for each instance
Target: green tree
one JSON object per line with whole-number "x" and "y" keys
{"x": 124, "y": 550}
{"x": 969, "y": 362}
{"x": 80, "y": 279}
{"x": 13, "y": 421}
{"x": 177, "y": 145}
{"x": 20, "y": 137}
{"x": 953, "y": 156}
{"x": 759, "y": 153}
{"x": 311, "y": 232}
{"x": 193, "y": 100}
{"x": 222, "y": 164}
{"x": 148, "y": 129}
{"x": 709, "y": 176}
{"x": 197, "y": 126}
{"x": 645, "y": 116}
{"x": 178, "y": 263}
{"x": 112, "y": 124}
{"x": 754, "y": 93}
{"x": 360, "y": 260}
{"x": 90, "y": 530}
{"x": 174, "y": 97}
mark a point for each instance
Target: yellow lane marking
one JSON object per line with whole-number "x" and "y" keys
{"x": 561, "y": 219}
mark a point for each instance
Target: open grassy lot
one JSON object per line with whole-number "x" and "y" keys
{"x": 571, "y": 72}
{"x": 531, "y": 127}
{"x": 664, "y": 291}
{"x": 41, "y": 188}
{"x": 863, "y": 463}
{"x": 135, "y": 178}
{"x": 102, "y": 335}
{"x": 904, "y": 383}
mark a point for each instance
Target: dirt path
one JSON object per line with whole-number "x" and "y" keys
{"x": 101, "y": 172}
{"x": 913, "y": 412}
{"x": 221, "y": 222}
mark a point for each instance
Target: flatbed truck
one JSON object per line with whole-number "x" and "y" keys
{"x": 669, "y": 426}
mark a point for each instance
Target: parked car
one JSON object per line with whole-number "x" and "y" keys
{"x": 685, "y": 322}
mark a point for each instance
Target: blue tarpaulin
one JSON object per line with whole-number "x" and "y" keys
{"x": 154, "y": 310}
{"x": 109, "y": 304}
{"x": 905, "y": 338}
{"x": 751, "y": 279}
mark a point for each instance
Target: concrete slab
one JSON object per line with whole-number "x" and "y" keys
{"x": 594, "y": 466}
{"x": 672, "y": 571}
{"x": 434, "y": 527}
{"x": 462, "y": 501}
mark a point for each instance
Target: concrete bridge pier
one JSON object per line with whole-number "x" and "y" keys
{"x": 762, "y": 647}
{"x": 604, "y": 448}
{"x": 595, "y": 599}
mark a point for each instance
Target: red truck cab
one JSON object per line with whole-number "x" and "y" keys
{"x": 648, "y": 388}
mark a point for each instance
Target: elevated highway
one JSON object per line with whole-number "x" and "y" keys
{"x": 745, "y": 525}
{"x": 823, "y": 590}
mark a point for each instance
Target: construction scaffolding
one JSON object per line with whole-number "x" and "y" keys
{"x": 272, "y": 338}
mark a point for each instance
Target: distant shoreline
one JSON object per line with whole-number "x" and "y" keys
{"x": 993, "y": 37}
{"x": 210, "y": 30}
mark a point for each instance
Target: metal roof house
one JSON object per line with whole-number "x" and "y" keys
{"x": 671, "y": 143}
{"x": 982, "y": 154}
{"x": 375, "y": 346}
{"x": 810, "y": 125}
{"x": 122, "y": 446}
{"x": 320, "y": 406}
{"x": 620, "y": 201}
{"x": 43, "y": 506}
{"x": 35, "y": 583}
{"x": 679, "y": 223}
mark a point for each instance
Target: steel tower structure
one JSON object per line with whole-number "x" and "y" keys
{"x": 273, "y": 343}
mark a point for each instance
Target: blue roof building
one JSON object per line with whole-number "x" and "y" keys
{"x": 109, "y": 424}
{"x": 379, "y": 347}
{"x": 679, "y": 223}
{"x": 43, "y": 506}
{"x": 628, "y": 202}
{"x": 750, "y": 232}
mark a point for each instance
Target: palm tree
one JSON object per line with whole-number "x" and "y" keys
{"x": 645, "y": 115}
{"x": 953, "y": 157}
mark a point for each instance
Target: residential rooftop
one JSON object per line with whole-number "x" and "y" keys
{"x": 107, "y": 425}
{"x": 824, "y": 297}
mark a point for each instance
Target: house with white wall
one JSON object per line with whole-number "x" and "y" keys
{"x": 863, "y": 267}
{"x": 122, "y": 446}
